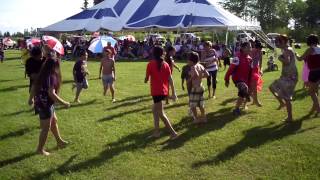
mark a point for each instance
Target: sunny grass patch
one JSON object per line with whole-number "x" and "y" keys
{"x": 109, "y": 141}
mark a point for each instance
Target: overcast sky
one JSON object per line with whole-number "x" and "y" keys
{"x": 16, "y": 15}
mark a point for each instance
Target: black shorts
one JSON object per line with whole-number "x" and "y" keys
{"x": 314, "y": 76}
{"x": 226, "y": 61}
{"x": 45, "y": 113}
{"x": 243, "y": 89}
{"x": 157, "y": 99}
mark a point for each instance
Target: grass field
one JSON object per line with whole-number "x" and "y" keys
{"x": 110, "y": 141}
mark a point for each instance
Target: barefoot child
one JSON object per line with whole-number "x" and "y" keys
{"x": 158, "y": 71}
{"x": 108, "y": 70}
{"x": 45, "y": 93}
{"x": 240, "y": 71}
{"x": 312, "y": 57}
{"x": 170, "y": 53}
{"x": 80, "y": 72}
{"x": 196, "y": 95}
{"x": 283, "y": 88}
{"x": 256, "y": 79}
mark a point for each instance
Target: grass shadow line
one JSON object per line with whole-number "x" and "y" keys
{"x": 17, "y": 133}
{"x": 13, "y": 88}
{"x": 254, "y": 138}
{"x": 216, "y": 120}
{"x": 16, "y": 159}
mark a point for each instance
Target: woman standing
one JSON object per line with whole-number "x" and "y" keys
{"x": 312, "y": 58}
{"x": 283, "y": 88}
{"x": 211, "y": 61}
{"x": 158, "y": 71}
{"x": 45, "y": 92}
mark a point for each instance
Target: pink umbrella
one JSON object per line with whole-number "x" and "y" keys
{"x": 33, "y": 42}
{"x": 54, "y": 44}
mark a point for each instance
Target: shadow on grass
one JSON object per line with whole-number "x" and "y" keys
{"x": 216, "y": 120}
{"x": 6, "y": 80}
{"x": 12, "y": 58}
{"x": 176, "y": 105}
{"x": 79, "y": 104}
{"x": 61, "y": 168}
{"x": 130, "y": 143}
{"x": 19, "y": 112}
{"x": 13, "y": 88}
{"x": 121, "y": 114}
{"x": 16, "y": 159}
{"x": 256, "y": 137}
{"x": 17, "y": 133}
{"x": 301, "y": 94}
{"x": 130, "y": 102}
{"x": 227, "y": 101}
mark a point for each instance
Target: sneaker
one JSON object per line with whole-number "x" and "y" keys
{"x": 237, "y": 112}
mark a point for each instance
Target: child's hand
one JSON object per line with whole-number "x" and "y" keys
{"x": 66, "y": 104}
{"x": 114, "y": 78}
{"x": 183, "y": 87}
{"x": 146, "y": 80}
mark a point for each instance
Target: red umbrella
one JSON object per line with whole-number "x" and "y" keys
{"x": 33, "y": 42}
{"x": 54, "y": 44}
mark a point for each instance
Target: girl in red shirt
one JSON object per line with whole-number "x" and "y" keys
{"x": 240, "y": 70}
{"x": 159, "y": 73}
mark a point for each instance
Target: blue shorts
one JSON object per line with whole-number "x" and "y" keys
{"x": 107, "y": 80}
{"x": 45, "y": 113}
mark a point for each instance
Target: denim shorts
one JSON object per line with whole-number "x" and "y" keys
{"x": 45, "y": 113}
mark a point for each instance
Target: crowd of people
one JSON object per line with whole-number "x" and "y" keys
{"x": 245, "y": 70}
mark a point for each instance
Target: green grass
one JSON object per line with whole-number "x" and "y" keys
{"x": 110, "y": 141}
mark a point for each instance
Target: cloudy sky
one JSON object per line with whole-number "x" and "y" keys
{"x": 16, "y": 15}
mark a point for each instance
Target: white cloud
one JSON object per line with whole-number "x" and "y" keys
{"x": 17, "y": 15}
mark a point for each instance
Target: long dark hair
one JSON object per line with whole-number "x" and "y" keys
{"x": 48, "y": 68}
{"x": 168, "y": 57}
{"x": 157, "y": 55}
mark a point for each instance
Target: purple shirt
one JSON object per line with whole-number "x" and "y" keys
{"x": 42, "y": 98}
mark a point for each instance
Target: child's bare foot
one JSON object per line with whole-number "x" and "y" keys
{"x": 174, "y": 136}
{"x": 214, "y": 97}
{"x": 204, "y": 119}
{"x": 77, "y": 101}
{"x": 43, "y": 152}
{"x": 113, "y": 100}
{"x": 62, "y": 144}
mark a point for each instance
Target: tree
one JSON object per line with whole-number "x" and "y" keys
{"x": 312, "y": 13}
{"x": 7, "y": 34}
{"x": 85, "y": 5}
{"x": 241, "y": 8}
{"x": 95, "y": 2}
{"x": 298, "y": 13}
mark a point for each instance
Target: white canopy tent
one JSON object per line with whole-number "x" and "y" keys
{"x": 109, "y": 15}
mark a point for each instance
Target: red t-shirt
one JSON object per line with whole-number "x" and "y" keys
{"x": 159, "y": 79}
{"x": 239, "y": 69}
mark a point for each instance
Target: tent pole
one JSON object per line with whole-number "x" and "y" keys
{"x": 227, "y": 36}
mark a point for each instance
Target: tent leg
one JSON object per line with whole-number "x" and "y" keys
{"x": 227, "y": 36}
